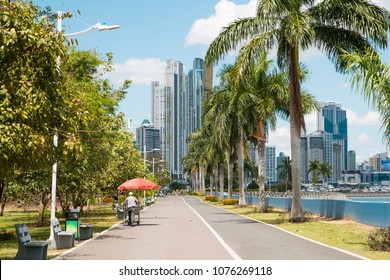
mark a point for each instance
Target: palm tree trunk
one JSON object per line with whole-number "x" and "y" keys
{"x": 202, "y": 181}
{"x": 230, "y": 177}
{"x": 216, "y": 181}
{"x": 296, "y": 123}
{"x": 211, "y": 182}
{"x": 241, "y": 198}
{"x": 221, "y": 180}
{"x": 261, "y": 172}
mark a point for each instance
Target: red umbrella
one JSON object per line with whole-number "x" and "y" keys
{"x": 138, "y": 184}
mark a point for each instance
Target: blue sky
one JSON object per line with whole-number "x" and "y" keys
{"x": 153, "y": 31}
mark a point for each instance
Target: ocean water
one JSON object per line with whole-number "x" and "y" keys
{"x": 384, "y": 199}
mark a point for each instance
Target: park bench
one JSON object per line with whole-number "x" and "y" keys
{"x": 28, "y": 249}
{"x": 63, "y": 239}
{"x": 120, "y": 214}
{"x": 148, "y": 201}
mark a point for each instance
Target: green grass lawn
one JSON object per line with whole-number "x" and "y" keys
{"x": 343, "y": 234}
{"x": 102, "y": 217}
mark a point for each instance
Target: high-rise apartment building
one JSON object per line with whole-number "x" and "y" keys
{"x": 317, "y": 146}
{"x": 148, "y": 137}
{"x": 177, "y": 109}
{"x": 270, "y": 165}
{"x": 351, "y": 162}
{"x": 175, "y": 129}
{"x": 279, "y": 162}
{"x": 332, "y": 118}
{"x": 195, "y": 95}
{"x": 158, "y": 95}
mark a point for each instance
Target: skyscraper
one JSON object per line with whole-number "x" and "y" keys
{"x": 270, "y": 165}
{"x": 148, "y": 137}
{"x": 279, "y": 162}
{"x": 332, "y": 118}
{"x": 177, "y": 109}
{"x": 351, "y": 160}
{"x": 175, "y": 130}
{"x": 317, "y": 146}
{"x": 195, "y": 95}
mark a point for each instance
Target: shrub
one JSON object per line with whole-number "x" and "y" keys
{"x": 379, "y": 240}
{"x": 230, "y": 201}
{"x": 211, "y": 198}
{"x": 263, "y": 209}
{"x": 196, "y": 193}
{"x": 5, "y": 235}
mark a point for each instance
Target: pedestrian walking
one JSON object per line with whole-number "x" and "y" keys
{"x": 131, "y": 202}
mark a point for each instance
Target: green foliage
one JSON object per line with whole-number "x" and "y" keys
{"x": 253, "y": 186}
{"x": 379, "y": 240}
{"x": 263, "y": 209}
{"x": 230, "y": 201}
{"x": 196, "y": 193}
{"x": 211, "y": 198}
{"x": 6, "y": 235}
{"x": 30, "y": 87}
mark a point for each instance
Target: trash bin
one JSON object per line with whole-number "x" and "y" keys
{"x": 86, "y": 231}
{"x": 72, "y": 222}
{"x": 72, "y": 213}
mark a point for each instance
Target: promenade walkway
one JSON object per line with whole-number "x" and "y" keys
{"x": 184, "y": 228}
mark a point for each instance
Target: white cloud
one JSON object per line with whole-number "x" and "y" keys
{"x": 310, "y": 53}
{"x": 364, "y": 138}
{"x": 280, "y": 138}
{"x": 371, "y": 118}
{"x": 383, "y": 3}
{"x": 140, "y": 71}
{"x": 204, "y": 30}
{"x": 311, "y": 122}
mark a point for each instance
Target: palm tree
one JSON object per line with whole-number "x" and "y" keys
{"x": 286, "y": 170}
{"x": 292, "y": 26}
{"x": 220, "y": 116}
{"x": 368, "y": 74}
{"x": 325, "y": 170}
{"x": 314, "y": 169}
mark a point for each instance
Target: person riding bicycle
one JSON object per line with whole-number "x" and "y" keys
{"x": 131, "y": 202}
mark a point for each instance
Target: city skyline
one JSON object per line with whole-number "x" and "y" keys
{"x": 151, "y": 32}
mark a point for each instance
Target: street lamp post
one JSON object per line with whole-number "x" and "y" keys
{"x": 144, "y": 152}
{"x": 100, "y": 27}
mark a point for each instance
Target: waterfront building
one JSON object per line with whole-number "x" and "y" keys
{"x": 351, "y": 162}
{"x": 279, "y": 162}
{"x": 376, "y": 162}
{"x": 318, "y": 146}
{"x": 332, "y": 119}
{"x": 270, "y": 165}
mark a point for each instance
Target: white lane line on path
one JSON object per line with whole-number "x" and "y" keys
{"x": 219, "y": 238}
{"x": 296, "y": 235}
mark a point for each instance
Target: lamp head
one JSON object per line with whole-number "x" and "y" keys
{"x": 104, "y": 27}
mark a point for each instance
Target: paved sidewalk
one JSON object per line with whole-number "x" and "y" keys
{"x": 169, "y": 230}
{"x": 184, "y": 228}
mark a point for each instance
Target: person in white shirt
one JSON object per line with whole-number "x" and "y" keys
{"x": 131, "y": 202}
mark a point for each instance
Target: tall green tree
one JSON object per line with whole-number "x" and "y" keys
{"x": 31, "y": 95}
{"x": 292, "y": 26}
{"x": 369, "y": 75}
{"x": 314, "y": 170}
{"x": 286, "y": 168}
{"x": 103, "y": 155}
{"x": 325, "y": 169}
